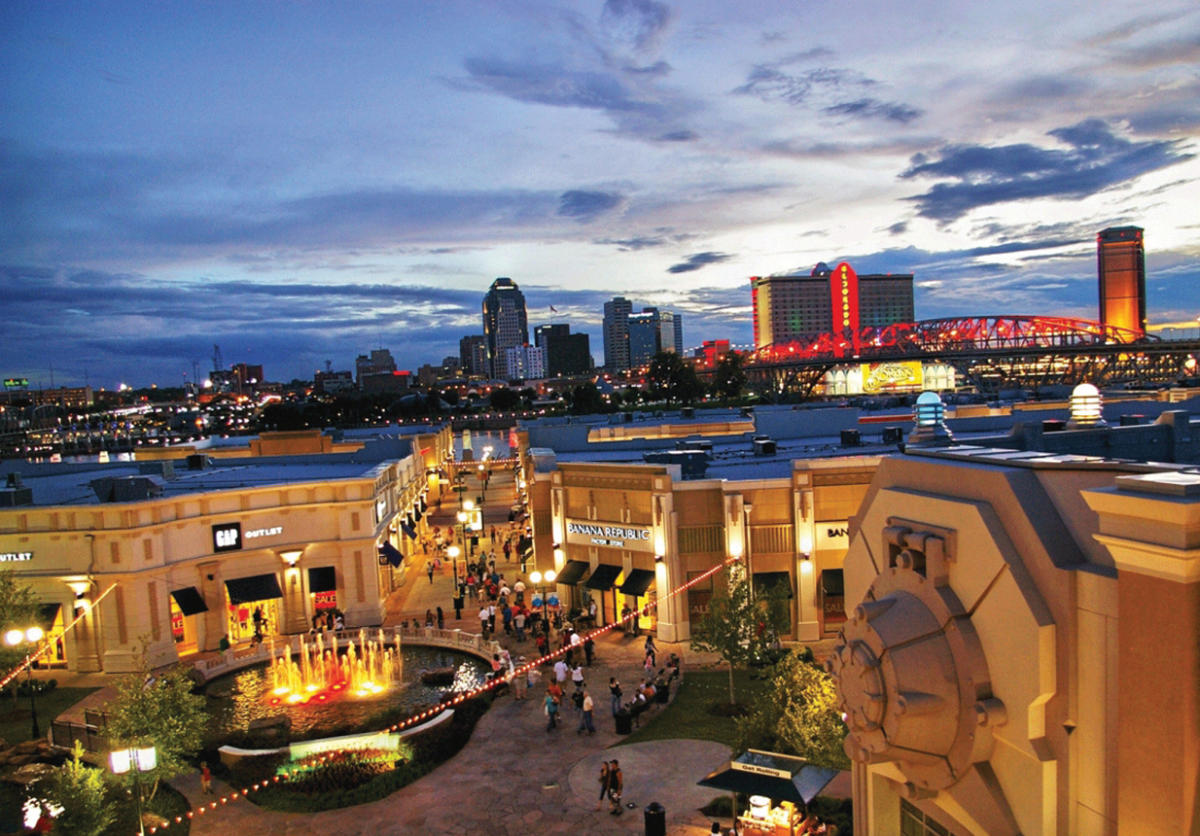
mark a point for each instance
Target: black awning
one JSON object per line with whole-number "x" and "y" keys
{"x": 253, "y": 588}
{"x": 764, "y": 582}
{"x": 573, "y": 572}
{"x": 190, "y": 600}
{"x": 637, "y": 582}
{"x": 778, "y": 777}
{"x": 322, "y": 579}
{"x": 604, "y": 576}
{"x": 47, "y": 615}
{"x": 390, "y": 554}
{"x": 832, "y": 582}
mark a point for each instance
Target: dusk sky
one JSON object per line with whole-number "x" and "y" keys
{"x": 299, "y": 182}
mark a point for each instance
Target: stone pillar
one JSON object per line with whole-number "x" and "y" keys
{"x": 1150, "y": 523}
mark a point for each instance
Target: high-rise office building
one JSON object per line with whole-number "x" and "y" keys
{"x": 566, "y": 353}
{"x": 787, "y": 307}
{"x": 472, "y": 356}
{"x": 616, "y": 333}
{"x": 504, "y": 323}
{"x": 645, "y": 338}
{"x": 524, "y": 362}
{"x": 380, "y": 361}
{"x": 1122, "y": 268}
{"x": 670, "y": 329}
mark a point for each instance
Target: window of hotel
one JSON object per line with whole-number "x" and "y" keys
{"x": 914, "y": 822}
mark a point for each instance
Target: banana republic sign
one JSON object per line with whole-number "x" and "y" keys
{"x": 610, "y": 535}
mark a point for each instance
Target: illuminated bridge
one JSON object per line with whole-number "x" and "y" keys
{"x": 989, "y": 353}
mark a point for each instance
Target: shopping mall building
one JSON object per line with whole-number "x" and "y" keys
{"x": 198, "y": 547}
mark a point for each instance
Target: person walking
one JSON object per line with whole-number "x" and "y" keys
{"x": 205, "y": 778}
{"x": 441, "y": 619}
{"x": 650, "y": 650}
{"x": 429, "y": 569}
{"x": 585, "y": 719}
{"x": 519, "y": 680}
{"x": 551, "y": 711}
{"x": 616, "y": 784}
{"x": 483, "y": 621}
{"x": 614, "y": 688}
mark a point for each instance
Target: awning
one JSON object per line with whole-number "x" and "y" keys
{"x": 764, "y": 582}
{"x": 190, "y": 600}
{"x": 832, "y": 582}
{"x": 390, "y": 554}
{"x": 573, "y": 572}
{"x": 637, "y": 582}
{"x": 322, "y": 579}
{"x": 47, "y": 615}
{"x": 778, "y": 777}
{"x": 253, "y": 588}
{"x": 603, "y": 577}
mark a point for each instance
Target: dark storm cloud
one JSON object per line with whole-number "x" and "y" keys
{"x": 698, "y": 260}
{"x": 585, "y": 205}
{"x": 1094, "y": 160}
{"x": 874, "y": 108}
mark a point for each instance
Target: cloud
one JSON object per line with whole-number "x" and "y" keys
{"x": 585, "y": 206}
{"x": 639, "y": 23}
{"x": 679, "y": 136}
{"x": 898, "y": 228}
{"x": 698, "y": 260}
{"x": 1095, "y": 158}
{"x": 892, "y": 111}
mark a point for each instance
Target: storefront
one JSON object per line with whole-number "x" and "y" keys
{"x": 253, "y": 609}
{"x": 187, "y": 604}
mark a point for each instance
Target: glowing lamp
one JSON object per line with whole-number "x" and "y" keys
{"x": 1086, "y": 407}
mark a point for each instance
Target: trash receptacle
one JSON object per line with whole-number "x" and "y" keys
{"x": 656, "y": 819}
{"x": 624, "y": 721}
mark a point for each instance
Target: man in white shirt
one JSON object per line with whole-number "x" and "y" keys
{"x": 560, "y": 671}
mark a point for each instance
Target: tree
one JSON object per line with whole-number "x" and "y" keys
{"x": 504, "y": 400}
{"x": 81, "y": 792}
{"x": 672, "y": 379}
{"x": 18, "y": 609}
{"x": 159, "y": 709}
{"x": 798, "y": 715}
{"x": 728, "y": 378}
{"x": 741, "y": 627}
{"x": 586, "y": 400}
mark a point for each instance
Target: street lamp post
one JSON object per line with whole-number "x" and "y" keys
{"x": 454, "y": 552}
{"x": 137, "y": 760}
{"x": 32, "y": 635}
{"x": 536, "y": 579}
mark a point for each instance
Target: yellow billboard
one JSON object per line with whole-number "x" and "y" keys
{"x": 892, "y": 377}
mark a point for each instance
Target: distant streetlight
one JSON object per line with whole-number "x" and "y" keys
{"x": 137, "y": 760}
{"x": 32, "y": 635}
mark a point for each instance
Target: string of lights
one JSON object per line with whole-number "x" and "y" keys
{"x": 456, "y": 700}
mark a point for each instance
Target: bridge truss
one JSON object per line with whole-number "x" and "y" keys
{"x": 988, "y": 353}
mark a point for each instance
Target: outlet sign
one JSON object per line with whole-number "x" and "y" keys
{"x": 15, "y": 557}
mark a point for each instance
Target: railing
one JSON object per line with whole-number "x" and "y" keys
{"x": 64, "y": 734}
{"x": 244, "y": 657}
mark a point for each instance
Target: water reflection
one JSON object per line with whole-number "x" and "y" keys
{"x": 237, "y": 700}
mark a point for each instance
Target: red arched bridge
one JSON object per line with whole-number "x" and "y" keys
{"x": 987, "y": 352}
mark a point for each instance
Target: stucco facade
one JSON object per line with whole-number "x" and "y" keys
{"x": 1023, "y": 654}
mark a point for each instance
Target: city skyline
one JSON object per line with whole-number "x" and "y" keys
{"x": 300, "y": 183}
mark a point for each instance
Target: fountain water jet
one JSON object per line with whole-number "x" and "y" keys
{"x": 362, "y": 670}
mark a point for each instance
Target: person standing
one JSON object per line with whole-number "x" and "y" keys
{"x": 429, "y": 569}
{"x": 551, "y": 711}
{"x": 614, "y": 688}
{"x": 616, "y": 784}
{"x": 651, "y": 650}
{"x": 585, "y": 719}
{"x": 483, "y": 621}
{"x": 560, "y": 671}
{"x": 519, "y": 623}
{"x": 205, "y": 778}
{"x": 458, "y": 606}
{"x": 603, "y": 783}
{"x": 519, "y": 680}
{"x": 589, "y": 650}
{"x": 441, "y": 619}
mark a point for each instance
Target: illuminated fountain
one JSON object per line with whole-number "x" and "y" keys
{"x": 363, "y": 670}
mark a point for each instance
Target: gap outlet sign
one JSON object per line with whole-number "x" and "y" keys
{"x": 227, "y": 537}
{"x": 612, "y": 535}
